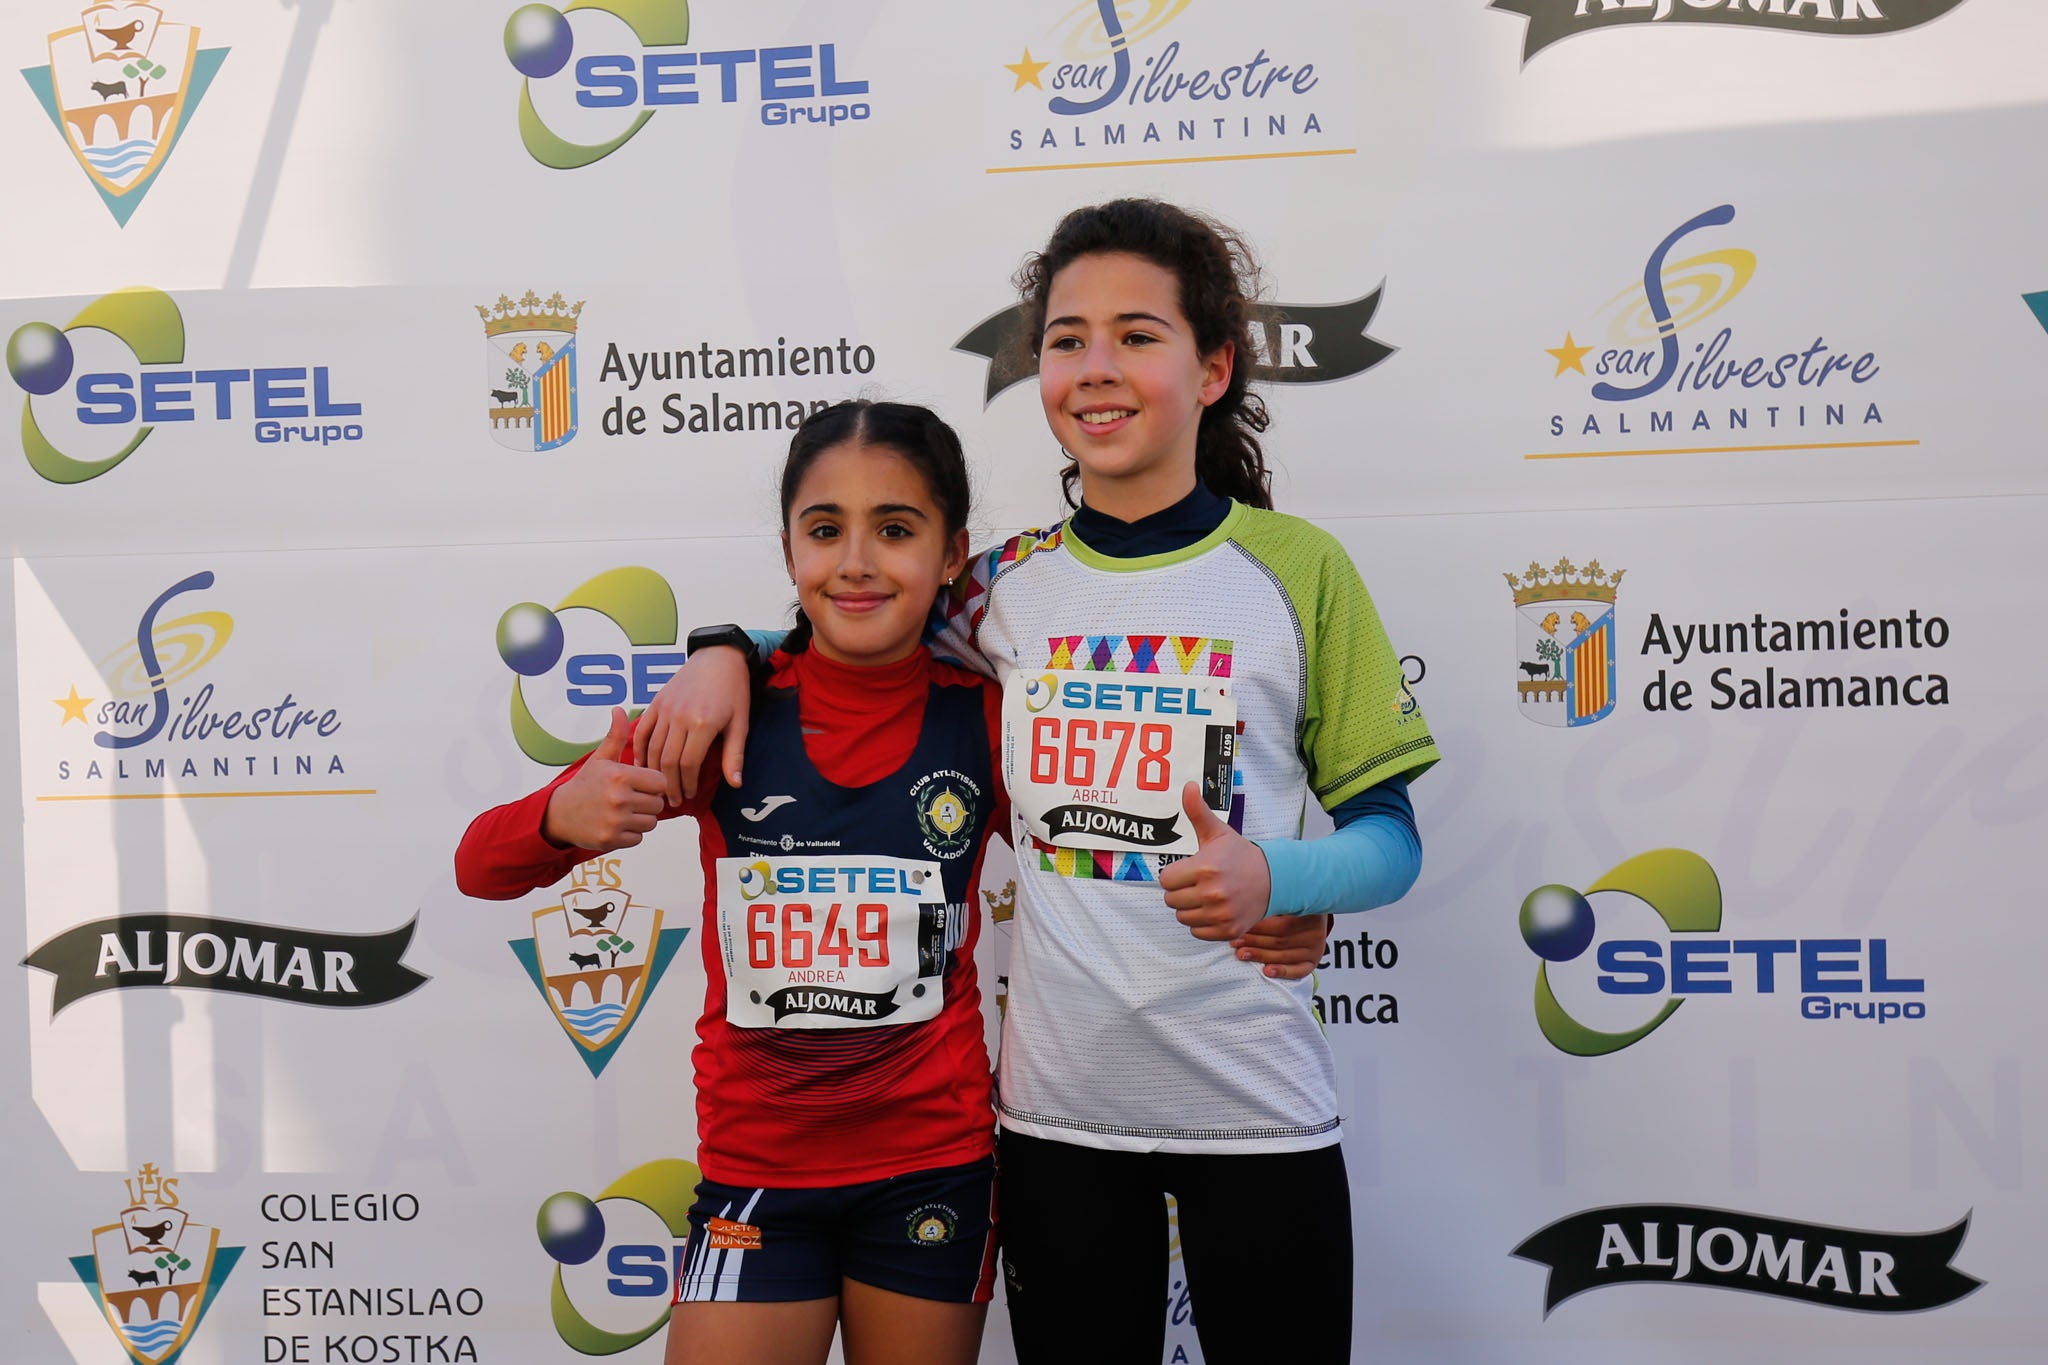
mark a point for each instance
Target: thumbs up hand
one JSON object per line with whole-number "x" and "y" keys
{"x": 1222, "y": 890}
{"x": 613, "y": 745}
{"x": 606, "y": 804}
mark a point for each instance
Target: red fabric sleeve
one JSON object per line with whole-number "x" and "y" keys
{"x": 503, "y": 854}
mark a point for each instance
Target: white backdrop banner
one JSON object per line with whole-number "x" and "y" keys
{"x": 390, "y": 387}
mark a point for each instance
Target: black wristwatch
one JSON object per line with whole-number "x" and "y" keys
{"x": 707, "y": 637}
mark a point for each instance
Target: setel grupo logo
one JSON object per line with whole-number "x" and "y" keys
{"x": 595, "y": 73}
{"x": 155, "y": 1270}
{"x": 101, "y": 385}
{"x": 2039, "y": 304}
{"x": 120, "y": 87}
{"x": 618, "y": 1256}
{"x": 1621, "y": 957}
{"x": 1552, "y": 21}
{"x": 596, "y": 957}
{"x": 1651, "y": 367}
{"x": 1125, "y": 82}
{"x": 611, "y": 642}
{"x": 1565, "y": 642}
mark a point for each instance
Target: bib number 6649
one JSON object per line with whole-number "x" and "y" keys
{"x": 790, "y": 936}
{"x": 832, "y": 942}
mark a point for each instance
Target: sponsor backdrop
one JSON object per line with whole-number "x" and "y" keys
{"x": 390, "y": 386}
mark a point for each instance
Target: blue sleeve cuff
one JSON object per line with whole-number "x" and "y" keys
{"x": 1371, "y": 859}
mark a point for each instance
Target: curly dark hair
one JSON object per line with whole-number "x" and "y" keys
{"x": 1218, "y": 281}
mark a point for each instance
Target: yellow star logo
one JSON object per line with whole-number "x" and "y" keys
{"x": 73, "y": 706}
{"x": 1026, "y": 71}
{"x": 1570, "y": 356}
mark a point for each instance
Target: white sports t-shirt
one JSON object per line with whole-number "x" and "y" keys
{"x": 1123, "y": 1030}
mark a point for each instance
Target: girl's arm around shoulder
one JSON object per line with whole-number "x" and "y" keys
{"x": 954, "y": 631}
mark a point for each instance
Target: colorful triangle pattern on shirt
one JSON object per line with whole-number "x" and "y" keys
{"x": 1195, "y": 655}
{"x": 1094, "y": 864}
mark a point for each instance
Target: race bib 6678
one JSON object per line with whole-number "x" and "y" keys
{"x": 1098, "y": 760}
{"x": 829, "y": 943}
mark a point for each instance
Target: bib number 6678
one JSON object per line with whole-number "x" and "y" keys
{"x": 1069, "y": 752}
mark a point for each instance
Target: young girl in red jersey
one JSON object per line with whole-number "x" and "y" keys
{"x": 1138, "y": 1058}
{"x": 845, "y": 1131}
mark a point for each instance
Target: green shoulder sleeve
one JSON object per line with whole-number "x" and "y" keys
{"x": 1361, "y": 724}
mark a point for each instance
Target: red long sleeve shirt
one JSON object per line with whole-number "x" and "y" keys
{"x": 786, "y": 1106}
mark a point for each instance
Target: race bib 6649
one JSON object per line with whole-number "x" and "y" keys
{"x": 829, "y": 943}
{"x": 1098, "y": 760}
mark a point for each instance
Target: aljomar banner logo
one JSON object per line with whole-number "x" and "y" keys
{"x": 1551, "y": 21}
{"x": 1868, "y": 1272}
{"x": 197, "y": 952}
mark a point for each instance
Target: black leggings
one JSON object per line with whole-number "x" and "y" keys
{"x": 1084, "y": 1253}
